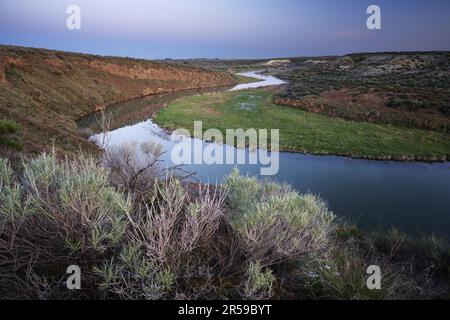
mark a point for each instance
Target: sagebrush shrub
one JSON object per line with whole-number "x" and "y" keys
{"x": 76, "y": 198}
{"x": 274, "y": 222}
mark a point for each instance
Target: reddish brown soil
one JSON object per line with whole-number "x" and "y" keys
{"x": 367, "y": 106}
{"x": 47, "y": 91}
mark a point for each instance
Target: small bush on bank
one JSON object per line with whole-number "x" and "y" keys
{"x": 139, "y": 234}
{"x": 8, "y": 129}
{"x": 8, "y": 126}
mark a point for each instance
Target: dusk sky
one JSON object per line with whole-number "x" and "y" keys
{"x": 226, "y": 28}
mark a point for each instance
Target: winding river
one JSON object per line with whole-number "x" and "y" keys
{"x": 410, "y": 196}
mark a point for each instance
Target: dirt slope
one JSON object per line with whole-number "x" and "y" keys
{"x": 46, "y": 91}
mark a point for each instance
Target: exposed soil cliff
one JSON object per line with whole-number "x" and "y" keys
{"x": 46, "y": 91}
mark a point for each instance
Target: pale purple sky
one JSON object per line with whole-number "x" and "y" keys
{"x": 226, "y": 28}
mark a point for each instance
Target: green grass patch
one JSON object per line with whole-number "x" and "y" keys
{"x": 244, "y": 79}
{"x": 303, "y": 131}
{"x": 8, "y": 130}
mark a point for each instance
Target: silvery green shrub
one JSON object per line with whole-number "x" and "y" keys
{"x": 275, "y": 223}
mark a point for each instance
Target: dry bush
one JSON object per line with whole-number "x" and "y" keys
{"x": 167, "y": 246}
{"x": 134, "y": 168}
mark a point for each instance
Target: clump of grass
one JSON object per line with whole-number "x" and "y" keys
{"x": 342, "y": 274}
{"x": 134, "y": 276}
{"x": 259, "y": 284}
{"x": 411, "y": 268}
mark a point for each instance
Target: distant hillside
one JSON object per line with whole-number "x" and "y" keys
{"x": 46, "y": 91}
{"x": 409, "y": 89}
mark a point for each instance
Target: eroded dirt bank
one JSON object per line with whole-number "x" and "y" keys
{"x": 45, "y": 91}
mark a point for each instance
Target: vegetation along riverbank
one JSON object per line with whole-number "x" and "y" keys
{"x": 302, "y": 131}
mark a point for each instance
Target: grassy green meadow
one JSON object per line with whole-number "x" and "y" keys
{"x": 302, "y": 131}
